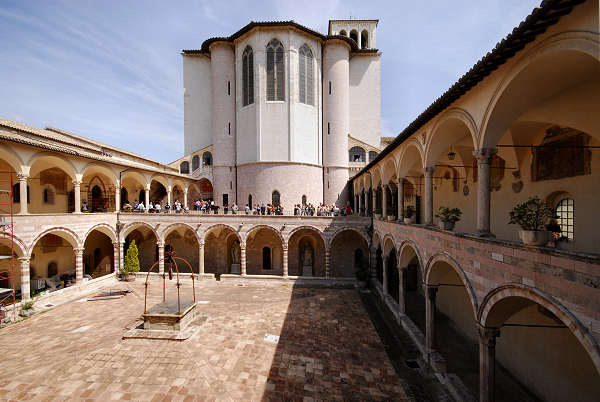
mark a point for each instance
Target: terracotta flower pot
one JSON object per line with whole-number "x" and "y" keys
{"x": 535, "y": 237}
{"x": 409, "y": 220}
{"x": 447, "y": 225}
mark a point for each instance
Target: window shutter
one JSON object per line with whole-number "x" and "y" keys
{"x": 250, "y": 77}
{"x": 302, "y": 75}
{"x": 310, "y": 86}
{"x": 245, "y": 79}
{"x": 270, "y": 75}
{"x": 280, "y": 78}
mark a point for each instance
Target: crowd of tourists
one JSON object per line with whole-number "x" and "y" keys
{"x": 321, "y": 210}
{"x": 155, "y": 207}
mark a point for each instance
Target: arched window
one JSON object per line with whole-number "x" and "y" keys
{"x": 184, "y": 167}
{"x": 207, "y": 158}
{"x": 357, "y": 154}
{"x": 305, "y": 74}
{"x": 354, "y": 35}
{"x": 275, "y": 71}
{"x": 48, "y": 196}
{"x": 565, "y": 210}
{"x": 275, "y": 198}
{"x": 304, "y": 200}
{"x": 343, "y": 33}
{"x": 364, "y": 39}
{"x": 372, "y": 155}
{"x": 248, "y": 76}
{"x": 266, "y": 254}
{"x": 195, "y": 162}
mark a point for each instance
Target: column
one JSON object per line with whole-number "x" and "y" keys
{"x": 385, "y": 278}
{"x": 147, "y": 194}
{"x": 201, "y": 259}
{"x": 285, "y": 260}
{"x": 121, "y": 256}
{"x": 25, "y": 279}
{"x": 373, "y": 199}
{"x": 384, "y": 201}
{"x": 487, "y": 362}
{"x": 484, "y": 157}
{"x": 116, "y": 257}
{"x": 161, "y": 258}
{"x": 401, "y": 287}
{"x": 169, "y": 192}
{"x": 358, "y": 211}
{"x": 327, "y": 254}
{"x": 400, "y": 199}
{"x": 78, "y": 265}
{"x": 430, "y": 317}
{"x": 185, "y": 200}
{"x": 23, "y": 192}
{"x": 77, "y": 191}
{"x": 429, "y": 195}
{"x": 243, "y": 259}
{"x": 373, "y": 265}
{"x": 118, "y": 197}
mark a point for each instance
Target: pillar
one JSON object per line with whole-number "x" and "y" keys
{"x": 23, "y": 192}
{"x": 373, "y": 265}
{"x": 327, "y": 258}
{"x": 25, "y": 277}
{"x": 161, "y": 258}
{"x": 77, "y": 191}
{"x": 285, "y": 260}
{"x": 400, "y": 199}
{"x": 147, "y": 194}
{"x": 118, "y": 197}
{"x": 169, "y": 192}
{"x": 384, "y": 201}
{"x": 78, "y": 265}
{"x": 243, "y": 259}
{"x": 201, "y": 259}
{"x": 121, "y": 256}
{"x": 116, "y": 257}
{"x": 484, "y": 157}
{"x": 373, "y": 199}
{"x": 358, "y": 210}
{"x": 487, "y": 362}
{"x": 401, "y": 287}
{"x": 429, "y": 195}
{"x": 185, "y": 200}
{"x": 385, "y": 278}
{"x": 430, "y": 317}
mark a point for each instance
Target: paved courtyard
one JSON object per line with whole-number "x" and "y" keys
{"x": 328, "y": 349}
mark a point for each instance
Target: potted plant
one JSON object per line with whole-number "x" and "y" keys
{"x": 26, "y": 309}
{"x": 409, "y": 214}
{"x": 532, "y": 216}
{"x": 555, "y": 231}
{"x": 132, "y": 263}
{"x": 392, "y": 217}
{"x": 448, "y": 217}
{"x": 377, "y": 213}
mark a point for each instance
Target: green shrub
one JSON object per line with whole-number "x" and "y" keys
{"x": 409, "y": 211}
{"x": 449, "y": 214}
{"x": 533, "y": 214}
{"x": 132, "y": 262}
{"x": 27, "y": 305}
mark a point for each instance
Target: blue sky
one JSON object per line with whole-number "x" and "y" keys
{"x": 112, "y": 71}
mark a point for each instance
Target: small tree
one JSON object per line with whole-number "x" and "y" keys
{"x": 132, "y": 262}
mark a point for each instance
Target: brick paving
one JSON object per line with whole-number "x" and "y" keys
{"x": 328, "y": 350}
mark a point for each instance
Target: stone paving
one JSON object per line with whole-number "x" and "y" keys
{"x": 328, "y": 349}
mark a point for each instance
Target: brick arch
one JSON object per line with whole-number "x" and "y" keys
{"x": 408, "y": 243}
{"x": 443, "y": 256}
{"x": 17, "y": 243}
{"x": 338, "y": 231}
{"x": 202, "y": 238}
{"x": 490, "y": 315}
{"x": 389, "y": 237}
{"x": 379, "y": 242}
{"x": 67, "y": 234}
{"x": 307, "y": 227}
{"x": 172, "y": 226}
{"x": 130, "y": 227}
{"x": 111, "y": 232}
{"x": 268, "y": 227}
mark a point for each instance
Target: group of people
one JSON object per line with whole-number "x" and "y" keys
{"x": 322, "y": 210}
{"x": 155, "y": 207}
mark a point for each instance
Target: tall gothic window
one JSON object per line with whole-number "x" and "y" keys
{"x": 248, "y": 76}
{"x": 305, "y": 75}
{"x": 275, "y": 71}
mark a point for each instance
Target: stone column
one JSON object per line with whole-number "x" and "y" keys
{"x": 77, "y": 192}
{"x": 430, "y": 317}
{"x": 384, "y": 201}
{"x": 23, "y": 192}
{"x": 373, "y": 200}
{"x": 373, "y": 263}
{"x": 401, "y": 287}
{"x": 429, "y": 195}
{"x": 243, "y": 259}
{"x": 118, "y": 197}
{"x": 487, "y": 362}
{"x": 161, "y": 258}
{"x": 116, "y": 257}
{"x": 25, "y": 278}
{"x": 121, "y": 256}
{"x": 147, "y": 194}
{"x": 327, "y": 257}
{"x": 385, "y": 278}
{"x": 285, "y": 260}
{"x": 400, "y": 199}
{"x": 358, "y": 211}
{"x": 201, "y": 259}
{"x": 185, "y": 200}
{"x": 78, "y": 265}
{"x": 169, "y": 193}
{"x": 484, "y": 157}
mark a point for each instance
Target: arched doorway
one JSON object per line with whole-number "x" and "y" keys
{"x": 219, "y": 242}
{"x": 393, "y": 278}
{"x": 306, "y": 253}
{"x": 97, "y": 199}
{"x": 343, "y": 250}
{"x": 264, "y": 252}
{"x": 183, "y": 241}
{"x": 98, "y": 255}
{"x": 146, "y": 243}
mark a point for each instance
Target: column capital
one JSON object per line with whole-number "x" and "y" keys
{"x": 117, "y": 244}
{"x": 484, "y": 154}
{"x": 148, "y": 186}
{"x": 432, "y": 292}
{"x": 22, "y": 176}
{"x": 201, "y": 244}
{"x": 78, "y": 251}
{"x": 284, "y": 247}
{"x": 384, "y": 186}
{"x": 488, "y": 335}
{"x": 76, "y": 183}
{"x": 160, "y": 243}
{"x": 400, "y": 180}
{"x": 24, "y": 260}
{"x": 428, "y": 171}
{"x": 242, "y": 246}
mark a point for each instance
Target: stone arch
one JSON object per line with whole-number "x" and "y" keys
{"x": 10, "y": 156}
{"x": 432, "y": 277}
{"x": 339, "y": 230}
{"x": 103, "y": 228}
{"x": 130, "y": 227}
{"x": 389, "y": 243}
{"x": 297, "y": 241}
{"x": 408, "y": 243}
{"x": 107, "y": 171}
{"x": 376, "y": 242}
{"x": 173, "y": 226}
{"x": 408, "y": 158}
{"x": 62, "y": 163}
{"x": 19, "y": 245}
{"x": 268, "y": 227}
{"x": 449, "y": 128}
{"x": 490, "y": 315}
{"x": 578, "y": 50}
{"x": 306, "y": 227}
{"x": 389, "y": 170}
{"x": 67, "y": 234}
{"x": 202, "y": 238}
{"x": 343, "y": 246}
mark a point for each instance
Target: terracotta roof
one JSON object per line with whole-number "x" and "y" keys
{"x": 205, "y": 48}
{"x": 536, "y": 23}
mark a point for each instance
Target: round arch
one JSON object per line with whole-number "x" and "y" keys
{"x": 410, "y": 244}
{"x": 165, "y": 233}
{"x": 102, "y": 228}
{"x": 19, "y": 245}
{"x": 314, "y": 229}
{"x": 389, "y": 244}
{"x": 504, "y": 301}
{"x": 219, "y": 225}
{"x": 271, "y": 228}
{"x": 65, "y": 233}
{"x": 340, "y": 230}
{"x": 432, "y": 275}
{"x": 389, "y": 170}
{"x": 451, "y": 127}
{"x": 130, "y": 227}
{"x": 408, "y": 158}
{"x": 10, "y": 156}
{"x": 63, "y": 164}
{"x": 107, "y": 171}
